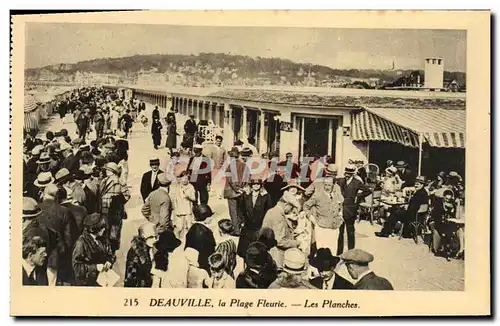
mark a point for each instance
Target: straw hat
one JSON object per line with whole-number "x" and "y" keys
{"x": 43, "y": 179}
{"x": 294, "y": 261}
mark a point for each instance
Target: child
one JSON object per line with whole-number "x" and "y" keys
{"x": 220, "y": 279}
{"x": 183, "y": 196}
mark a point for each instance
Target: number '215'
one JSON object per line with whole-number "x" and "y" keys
{"x": 132, "y": 302}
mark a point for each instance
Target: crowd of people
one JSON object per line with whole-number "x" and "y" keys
{"x": 283, "y": 230}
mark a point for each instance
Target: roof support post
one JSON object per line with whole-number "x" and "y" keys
{"x": 420, "y": 140}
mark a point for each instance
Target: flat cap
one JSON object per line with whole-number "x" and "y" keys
{"x": 357, "y": 256}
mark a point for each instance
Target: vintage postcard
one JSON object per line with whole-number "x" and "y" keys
{"x": 251, "y": 163}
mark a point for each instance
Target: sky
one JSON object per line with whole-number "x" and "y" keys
{"x": 53, "y": 43}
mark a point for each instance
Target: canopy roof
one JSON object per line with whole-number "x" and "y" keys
{"x": 439, "y": 127}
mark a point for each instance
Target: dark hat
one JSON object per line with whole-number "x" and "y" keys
{"x": 267, "y": 237}
{"x": 30, "y": 208}
{"x": 92, "y": 220}
{"x": 234, "y": 151}
{"x": 93, "y": 143}
{"x": 81, "y": 175}
{"x": 401, "y": 164}
{"x": 256, "y": 255}
{"x": 167, "y": 241}
{"x": 226, "y": 226}
{"x": 86, "y": 157}
{"x": 95, "y": 151}
{"x": 420, "y": 179}
{"x": 202, "y": 212}
{"x": 100, "y": 161}
{"x": 324, "y": 260}
{"x": 63, "y": 132}
{"x": 49, "y": 135}
{"x": 84, "y": 148}
{"x": 357, "y": 256}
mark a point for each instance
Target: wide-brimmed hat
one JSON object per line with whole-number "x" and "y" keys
{"x": 113, "y": 167}
{"x": 331, "y": 169}
{"x": 154, "y": 160}
{"x": 226, "y": 226}
{"x": 392, "y": 169}
{"x": 256, "y": 255}
{"x": 43, "y": 179}
{"x": 401, "y": 164}
{"x": 37, "y": 150}
{"x": 81, "y": 175}
{"x": 293, "y": 183}
{"x": 350, "y": 169}
{"x": 44, "y": 158}
{"x": 294, "y": 261}
{"x": 246, "y": 152}
{"x": 30, "y": 208}
{"x": 198, "y": 147}
{"x": 63, "y": 176}
{"x": 324, "y": 260}
{"x": 453, "y": 174}
{"x": 202, "y": 212}
{"x": 420, "y": 179}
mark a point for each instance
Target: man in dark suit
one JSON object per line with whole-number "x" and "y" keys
{"x": 34, "y": 258}
{"x": 357, "y": 262}
{"x": 150, "y": 179}
{"x": 201, "y": 176}
{"x": 156, "y": 114}
{"x": 190, "y": 126}
{"x": 325, "y": 263}
{"x": 420, "y": 197}
{"x": 405, "y": 174}
{"x": 353, "y": 189}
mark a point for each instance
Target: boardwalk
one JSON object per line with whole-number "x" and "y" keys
{"x": 407, "y": 265}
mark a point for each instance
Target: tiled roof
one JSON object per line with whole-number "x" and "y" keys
{"x": 342, "y": 100}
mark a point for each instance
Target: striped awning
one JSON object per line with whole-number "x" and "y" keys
{"x": 439, "y": 127}
{"x": 29, "y": 103}
{"x": 368, "y": 126}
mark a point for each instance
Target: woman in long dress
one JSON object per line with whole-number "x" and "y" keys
{"x": 171, "y": 136}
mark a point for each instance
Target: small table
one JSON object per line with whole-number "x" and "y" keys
{"x": 393, "y": 203}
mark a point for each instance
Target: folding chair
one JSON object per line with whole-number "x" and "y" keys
{"x": 417, "y": 226}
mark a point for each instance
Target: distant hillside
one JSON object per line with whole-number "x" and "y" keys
{"x": 223, "y": 66}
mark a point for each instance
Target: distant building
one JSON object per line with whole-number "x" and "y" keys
{"x": 434, "y": 73}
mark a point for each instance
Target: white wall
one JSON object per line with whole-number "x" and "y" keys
{"x": 434, "y": 73}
